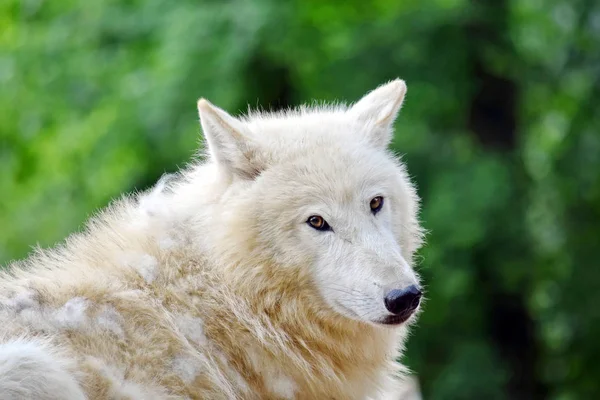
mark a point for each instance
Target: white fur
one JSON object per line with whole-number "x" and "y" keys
{"x": 213, "y": 285}
{"x": 192, "y": 328}
{"x": 282, "y": 386}
{"x": 31, "y": 369}
{"x": 73, "y": 314}
{"x": 144, "y": 264}
{"x": 108, "y": 319}
{"x": 22, "y": 301}
{"x": 188, "y": 367}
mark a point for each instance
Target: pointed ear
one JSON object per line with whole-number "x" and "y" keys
{"x": 227, "y": 141}
{"x": 378, "y": 110}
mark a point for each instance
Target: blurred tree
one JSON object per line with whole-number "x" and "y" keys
{"x": 500, "y": 132}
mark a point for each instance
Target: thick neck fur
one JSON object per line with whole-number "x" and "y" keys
{"x": 340, "y": 359}
{"x": 291, "y": 327}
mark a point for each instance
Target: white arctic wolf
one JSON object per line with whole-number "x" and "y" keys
{"x": 277, "y": 268}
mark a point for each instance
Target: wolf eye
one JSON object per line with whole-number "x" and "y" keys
{"x": 376, "y": 204}
{"x": 317, "y": 222}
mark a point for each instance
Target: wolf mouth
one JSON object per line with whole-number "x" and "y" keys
{"x": 396, "y": 319}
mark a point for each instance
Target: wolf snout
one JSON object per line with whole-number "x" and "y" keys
{"x": 403, "y": 301}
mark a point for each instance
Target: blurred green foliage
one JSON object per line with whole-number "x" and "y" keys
{"x": 499, "y": 130}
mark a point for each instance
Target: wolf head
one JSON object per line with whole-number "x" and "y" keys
{"x": 316, "y": 194}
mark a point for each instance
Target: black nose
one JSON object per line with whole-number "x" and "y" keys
{"x": 401, "y": 301}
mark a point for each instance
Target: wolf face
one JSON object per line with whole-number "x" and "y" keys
{"x": 322, "y": 197}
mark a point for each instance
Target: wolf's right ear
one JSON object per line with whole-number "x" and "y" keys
{"x": 227, "y": 141}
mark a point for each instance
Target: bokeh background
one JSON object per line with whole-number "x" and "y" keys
{"x": 500, "y": 131}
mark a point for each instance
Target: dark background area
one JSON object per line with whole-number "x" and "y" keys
{"x": 500, "y": 131}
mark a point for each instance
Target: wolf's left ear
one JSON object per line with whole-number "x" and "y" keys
{"x": 378, "y": 110}
{"x": 228, "y": 142}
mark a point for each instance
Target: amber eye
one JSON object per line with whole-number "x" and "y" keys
{"x": 376, "y": 204}
{"x": 317, "y": 222}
